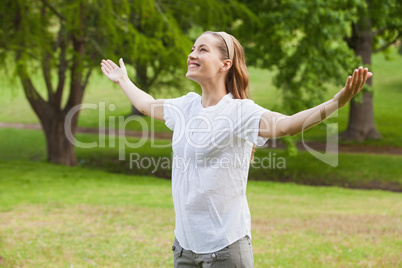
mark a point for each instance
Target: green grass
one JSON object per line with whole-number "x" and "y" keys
{"x": 56, "y": 216}
{"x": 353, "y": 170}
{"x": 387, "y": 83}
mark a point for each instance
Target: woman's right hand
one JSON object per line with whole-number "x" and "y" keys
{"x": 114, "y": 72}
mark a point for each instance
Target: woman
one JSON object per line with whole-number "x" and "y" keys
{"x": 213, "y": 139}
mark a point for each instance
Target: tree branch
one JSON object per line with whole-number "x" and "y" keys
{"x": 37, "y": 103}
{"x": 62, "y": 44}
{"x": 86, "y": 79}
{"x": 78, "y": 40}
{"x": 45, "y": 62}
{"x": 46, "y": 69}
{"x": 35, "y": 100}
{"x": 76, "y": 92}
{"x": 379, "y": 31}
{"x": 97, "y": 47}
{"x": 387, "y": 45}
{"x": 45, "y": 3}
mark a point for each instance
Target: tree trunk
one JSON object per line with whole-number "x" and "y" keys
{"x": 361, "y": 120}
{"x": 361, "y": 124}
{"x": 59, "y": 149}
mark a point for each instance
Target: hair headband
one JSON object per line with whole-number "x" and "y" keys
{"x": 229, "y": 43}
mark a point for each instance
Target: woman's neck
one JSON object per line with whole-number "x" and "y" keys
{"x": 212, "y": 93}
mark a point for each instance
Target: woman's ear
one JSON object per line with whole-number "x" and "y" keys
{"x": 226, "y": 65}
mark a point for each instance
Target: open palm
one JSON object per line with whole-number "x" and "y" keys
{"x": 353, "y": 85}
{"x": 112, "y": 71}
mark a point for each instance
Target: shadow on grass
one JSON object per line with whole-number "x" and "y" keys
{"x": 300, "y": 170}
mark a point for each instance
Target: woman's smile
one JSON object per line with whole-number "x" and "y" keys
{"x": 192, "y": 65}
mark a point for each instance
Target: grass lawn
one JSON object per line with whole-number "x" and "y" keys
{"x": 56, "y": 216}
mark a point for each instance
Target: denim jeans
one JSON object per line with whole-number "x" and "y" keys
{"x": 236, "y": 255}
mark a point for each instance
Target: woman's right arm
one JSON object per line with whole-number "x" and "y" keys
{"x": 144, "y": 102}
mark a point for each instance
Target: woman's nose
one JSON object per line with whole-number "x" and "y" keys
{"x": 192, "y": 55}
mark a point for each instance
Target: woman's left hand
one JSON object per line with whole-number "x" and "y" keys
{"x": 353, "y": 85}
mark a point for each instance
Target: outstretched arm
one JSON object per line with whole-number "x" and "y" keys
{"x": 275, "y": 125}
{"x": 144, "y": 102}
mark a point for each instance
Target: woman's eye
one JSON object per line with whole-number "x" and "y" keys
{"x": 201, "y": 49}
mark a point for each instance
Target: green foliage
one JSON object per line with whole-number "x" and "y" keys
{"x": 306, "y": 41}
{"x": 290, "y": 145}
{"x": 152, "y": 36}
{"x": 158, "y": 36}
{"x": 387, "y": 22}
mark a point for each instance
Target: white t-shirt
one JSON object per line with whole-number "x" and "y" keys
{"x": 211, "y": 157}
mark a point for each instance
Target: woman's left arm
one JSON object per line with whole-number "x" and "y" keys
{"x": 275, "y": 125}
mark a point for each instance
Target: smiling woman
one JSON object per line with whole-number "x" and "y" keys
{"x": 211, "y": 133}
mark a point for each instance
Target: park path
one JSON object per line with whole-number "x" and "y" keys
{"x": 319, "y": 146}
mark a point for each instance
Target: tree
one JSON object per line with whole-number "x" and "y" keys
{"x": 185, "y": 20}
{"x": 53, "y": 38}
{"x": 309, "y": 43}
{"x": 378, "y": 27}
{"x": 66, "y": 40}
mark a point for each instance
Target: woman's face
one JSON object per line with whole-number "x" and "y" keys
{"x": 204, "y": 62}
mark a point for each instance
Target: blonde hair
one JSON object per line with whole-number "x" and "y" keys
{"x": 237, "y": 80}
